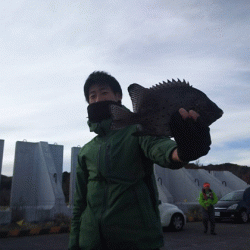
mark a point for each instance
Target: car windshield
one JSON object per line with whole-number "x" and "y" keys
{"x": 233, "y": 196}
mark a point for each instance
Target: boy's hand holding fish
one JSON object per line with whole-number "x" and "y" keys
{"x": 191, "y": 135}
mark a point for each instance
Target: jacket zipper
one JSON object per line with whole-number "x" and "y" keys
{"x": 106, "y": 183}
{"x": 107, "y": 161}
{"x": 99, "y": 161}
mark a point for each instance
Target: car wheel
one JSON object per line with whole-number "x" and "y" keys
{"x": 243, "y": 217}
{"x": 177, "y": 222}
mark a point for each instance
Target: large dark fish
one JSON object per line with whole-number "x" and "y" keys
{"x": 153, "y": 107}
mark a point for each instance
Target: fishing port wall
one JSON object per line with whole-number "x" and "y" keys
{"x": 37, "y": 195}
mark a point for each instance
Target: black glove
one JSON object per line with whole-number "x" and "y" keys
{"x": 192, "y": 137}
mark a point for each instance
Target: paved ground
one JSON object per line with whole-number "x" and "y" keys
{"x": 230, "y": 237}
{"x": 40, "y": 242}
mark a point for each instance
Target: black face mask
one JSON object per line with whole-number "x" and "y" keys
{"x": 99, "y": 111}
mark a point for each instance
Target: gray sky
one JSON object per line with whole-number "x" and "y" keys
{"x": 48, "y": 49}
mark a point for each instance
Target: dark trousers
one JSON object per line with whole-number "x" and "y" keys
{"x": 208, "y": 215}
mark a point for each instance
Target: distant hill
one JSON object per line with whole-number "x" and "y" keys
{"x": 243, "y": 172}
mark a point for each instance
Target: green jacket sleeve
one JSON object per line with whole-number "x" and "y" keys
{"x": 159, "y": 150}
{"x": 202, "y": 201}
{"x": 80, "y": 203}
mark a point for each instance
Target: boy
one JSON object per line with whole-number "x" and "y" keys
{"x": 116, "y": 199}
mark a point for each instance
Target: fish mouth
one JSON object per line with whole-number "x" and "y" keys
{"x": 212, "y": 117}
{"x": 221, "y": 113}
{"x": 218, "y": 116}
{"x": 218, "y": 113}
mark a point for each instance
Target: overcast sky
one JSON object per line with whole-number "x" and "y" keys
{"x": 48, "y": 48}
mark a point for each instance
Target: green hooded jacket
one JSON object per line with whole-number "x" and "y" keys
{"x": 116, "y": 199}
{"x": 210, "y": 201}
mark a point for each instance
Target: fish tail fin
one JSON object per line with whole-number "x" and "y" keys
{"x": 121, "y": 117}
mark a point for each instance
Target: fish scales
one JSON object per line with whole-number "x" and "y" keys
{"x": 154, "y": 106}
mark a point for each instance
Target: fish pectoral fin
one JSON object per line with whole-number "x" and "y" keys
{"x": 121, "y": 117}
{"x": 119, "y": 113}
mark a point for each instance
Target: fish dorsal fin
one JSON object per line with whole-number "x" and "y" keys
{"x": 170, "y": 84}
{"x": 136, "y": 93}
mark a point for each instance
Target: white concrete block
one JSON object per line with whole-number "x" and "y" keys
{"x": 37, "y": 181}
{"x": 185, "y": 185}
{"x": 179, "y": 183}
{"x": 74, "y": 158}
{"x": 203, "y": 175}
{"x": 230, "y": 180}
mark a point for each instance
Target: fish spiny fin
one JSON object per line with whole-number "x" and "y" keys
{"x": 136, "y": 93}
{"x": 170, "y": 84}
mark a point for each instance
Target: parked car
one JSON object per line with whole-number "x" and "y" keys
{"x": 235, "y": 205}
{"x": 171, "y": 216}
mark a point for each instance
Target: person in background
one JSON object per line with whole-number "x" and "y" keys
{"x": 116, "y": 198}
{"x": 207, "y": 200}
